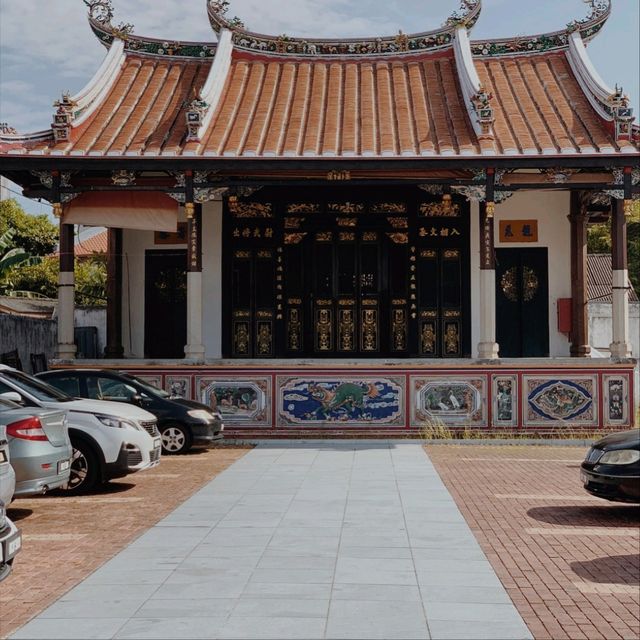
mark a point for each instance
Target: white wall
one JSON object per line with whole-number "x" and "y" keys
{"x": 551, "y": 209}
{"x": 600, "y": 327}
{"x": 135, "y": 244}
{"x": 93, "y": 317}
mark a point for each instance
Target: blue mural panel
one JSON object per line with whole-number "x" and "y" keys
{"x": 552, "y": 400}
{"x": 349, "y": 401}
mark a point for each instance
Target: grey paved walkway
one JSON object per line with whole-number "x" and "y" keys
{"x": 344, "y": 540}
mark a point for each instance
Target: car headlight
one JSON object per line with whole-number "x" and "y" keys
{"x": 623, "y": 456}
{"x": 200, "y": 414}
{"x": 117, "y": 423}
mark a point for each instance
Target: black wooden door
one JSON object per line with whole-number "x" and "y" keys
{"x": 165, "y": 333}
{"x": 522, "y": 303}
{"x": 346, "y": 293}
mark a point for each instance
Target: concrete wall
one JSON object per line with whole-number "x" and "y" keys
{"x": 600, "y": 327}
{"x": 31, "y": 335}
{"x": 28, "y": 335}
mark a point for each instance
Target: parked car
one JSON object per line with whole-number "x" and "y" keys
{"x": 183, "y": 424}
{"x": 39, "y": 445}
{"x": 109, "y": 439}
{"x": 611, "y": 469}
{"x": 7, "y": 474}
{"x": 10, "y": 542}
{"x": 10, "y": 539}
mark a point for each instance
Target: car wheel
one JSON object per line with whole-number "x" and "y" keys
{"x": 176, "y": 439}
{"x": 84, "y": 468}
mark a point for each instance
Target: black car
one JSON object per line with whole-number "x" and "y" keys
{"x": 183, "y": 424}
{"x": 611, "y": 469}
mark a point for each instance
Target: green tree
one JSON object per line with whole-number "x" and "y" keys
{"x": 37, "y": 235}
{"x": 90, "y": 276}
{"x": 599, "y": 241}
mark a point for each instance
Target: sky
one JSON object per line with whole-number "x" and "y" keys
{"x": 47, "y": 48}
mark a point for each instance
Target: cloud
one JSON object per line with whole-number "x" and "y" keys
{"x": 47, "y": 47}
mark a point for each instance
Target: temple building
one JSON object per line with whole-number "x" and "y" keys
{"x": 362, "y": 234}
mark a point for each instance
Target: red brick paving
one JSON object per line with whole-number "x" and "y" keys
{"x": 66, "y": 539}
{"x": 578, "y": 578}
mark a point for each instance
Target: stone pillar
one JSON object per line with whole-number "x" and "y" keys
{"x": 578, "y": 218}
{"x": 66, "y": 294}
{"x": 194, "y": 349}
{"x": 114, "y": 348}
{"x": 620, "y": 346}
{"x": 488, "y": 347}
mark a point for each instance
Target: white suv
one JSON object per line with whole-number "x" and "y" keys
{"x": 109, "y": 439}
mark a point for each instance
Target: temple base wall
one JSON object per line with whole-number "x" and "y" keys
{"x": 404, "y": 398}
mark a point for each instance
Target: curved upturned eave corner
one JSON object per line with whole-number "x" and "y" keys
{"x": 284, "y": 45}
{"x": 587, "y": 28}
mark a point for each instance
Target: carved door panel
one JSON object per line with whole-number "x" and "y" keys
{"x": 522, "y": 303}
{"x": 254, "y": 286}
{"x": 345, "y": 293}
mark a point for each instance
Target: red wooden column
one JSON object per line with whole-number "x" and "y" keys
{"x": 578, "y": 217}
{"x": 114, "y": 348}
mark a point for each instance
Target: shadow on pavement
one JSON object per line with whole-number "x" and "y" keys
{"x": 610, "y": 569}
{"x": 587, "y": 515}
{"x": 18, "y": 514}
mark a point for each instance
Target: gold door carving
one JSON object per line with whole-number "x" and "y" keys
{"x": 370, "y": 330}
{"x": 346, "y": 329}
{"x": 324, "y": 330}
{"x": 399, "y": 329}
{"x": 241, "y": 338}
{"x": 264, "y": 340}
{"x": 294, "y": 330}
{"x": 428, "y": 338}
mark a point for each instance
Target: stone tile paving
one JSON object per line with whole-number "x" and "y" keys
{"x": 310, "y": 540}
{"x": 66, "y": 538}
{"x": 570, "y": 562}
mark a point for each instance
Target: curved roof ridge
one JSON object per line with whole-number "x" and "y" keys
{"x": 466, "y": 16}
{"x": 588, "y": 27}
{"x": 101, "y": 16}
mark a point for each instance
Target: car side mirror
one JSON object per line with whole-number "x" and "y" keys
{"x": 136, "y": 398}
{"x": 13, "y": 396}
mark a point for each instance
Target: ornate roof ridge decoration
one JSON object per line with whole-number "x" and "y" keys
{"x": 100, "y": 19}
{"x": 588, "y": 27}
{"x": 467, "y": 15}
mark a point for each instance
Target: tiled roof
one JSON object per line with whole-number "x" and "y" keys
{"x": 600, "y": 278}
{"x": 296, "y": 101}
{"x": 540, "y": 107}
{"x": 341, "y": 108}
{"x": 94, "y": 244}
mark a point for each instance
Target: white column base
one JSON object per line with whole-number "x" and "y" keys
{"x": 620, "y": 345}
{"x": 194, "y": 349}
{"x": 488, "y": 347}
{"x": 488, "y": 351}
{"x": 66, "y": 310}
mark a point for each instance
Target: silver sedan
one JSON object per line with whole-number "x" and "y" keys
{"x": 39, "y": 446}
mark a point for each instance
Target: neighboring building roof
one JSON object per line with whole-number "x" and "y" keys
{"x": 428, "y": 94}
{"x": 600, "y": 279}
{"x": 96, "y": 244}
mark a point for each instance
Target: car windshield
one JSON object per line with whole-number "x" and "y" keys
{"x": 146, "y": 387}
{"x": 38, "y": 389}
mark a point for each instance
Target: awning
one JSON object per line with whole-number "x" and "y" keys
{"x": 152, "y": 211}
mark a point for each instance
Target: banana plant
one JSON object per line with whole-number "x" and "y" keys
{"x": 10, "y": 258}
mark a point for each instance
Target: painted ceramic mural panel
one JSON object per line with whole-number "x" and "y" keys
{"x": 505, "y": 401}
{"x": 178, "y": 386}
{"x": 456, "y": 401}
{"x": 241, "y": 400}
{"x": 549, "y": 400}
{"x": 616, "y": 401}
{"x": 348, "y": 401}
{"x": 154, "y": 381}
